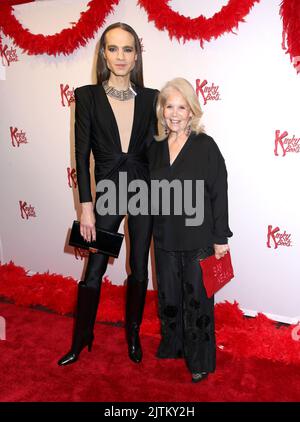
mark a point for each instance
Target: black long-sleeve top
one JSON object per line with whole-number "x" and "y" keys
{"x": 199, "y": 159}
{"x": 96, "y": 130}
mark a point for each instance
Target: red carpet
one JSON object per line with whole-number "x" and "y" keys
{"x": 240, "y": 336}
{"x": 255, "y": 361}
{"x": 35, "y": 340}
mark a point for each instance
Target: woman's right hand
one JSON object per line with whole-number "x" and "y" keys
{"x": 88, "y": 222}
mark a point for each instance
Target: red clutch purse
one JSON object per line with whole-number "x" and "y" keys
{"x": 216, "y": 272}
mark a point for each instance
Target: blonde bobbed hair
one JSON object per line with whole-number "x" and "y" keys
{"x": 187, "y": 91}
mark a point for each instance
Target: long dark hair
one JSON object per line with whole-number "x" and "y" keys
{"x": 103, "y": 72}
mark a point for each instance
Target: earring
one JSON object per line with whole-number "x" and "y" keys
{"x": 166, "y": 129}
{"x": 188, "y": 130}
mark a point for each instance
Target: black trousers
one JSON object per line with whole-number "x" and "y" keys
{"x": 140, "y": 231}
{"x": 186, "y": 314}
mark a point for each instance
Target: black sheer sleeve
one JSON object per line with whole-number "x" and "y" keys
{"x": 83, "y": 142}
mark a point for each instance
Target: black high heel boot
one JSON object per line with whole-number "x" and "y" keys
{"x": 87, "y": 304}
{"x": 135, "y": 302}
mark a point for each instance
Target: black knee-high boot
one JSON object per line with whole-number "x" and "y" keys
{"x": 87, "y": 304}
{"x": 135, "y": 302}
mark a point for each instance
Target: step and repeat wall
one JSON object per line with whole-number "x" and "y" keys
{"x": 249, "y": 92}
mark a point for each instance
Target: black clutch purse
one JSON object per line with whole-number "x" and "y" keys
{"x": 106, "y": 242}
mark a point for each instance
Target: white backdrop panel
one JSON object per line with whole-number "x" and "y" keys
{"x": 259, "y": 93}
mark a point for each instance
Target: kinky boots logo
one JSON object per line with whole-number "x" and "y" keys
{"x": 17, "y": 137}
{"x": 72, "y": 177}
{"x": 66, "y": 95}
{"x": 285, "y": 144}
{"x": 208, "y": 92}
{"x": 275, "y": 238}
{"x": 26, "y": 210}
{"x": 8, "y": 55}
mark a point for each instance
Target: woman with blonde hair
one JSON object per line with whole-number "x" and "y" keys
{"x": 181, "y": 153}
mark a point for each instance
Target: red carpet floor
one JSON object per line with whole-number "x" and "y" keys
{"x": 36, "y": 339}
{"x": 251, "y": 338}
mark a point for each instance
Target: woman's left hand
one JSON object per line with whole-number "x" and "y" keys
{"x": 220, "y": 250}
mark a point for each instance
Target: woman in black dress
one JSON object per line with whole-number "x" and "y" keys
{"x": 183, "y": 152}
{"x": 115, "y": 119}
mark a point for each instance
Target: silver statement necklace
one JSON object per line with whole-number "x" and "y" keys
{"x": 126, "y": 95}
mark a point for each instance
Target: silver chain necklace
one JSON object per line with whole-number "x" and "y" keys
{"x": 126, "y": 95}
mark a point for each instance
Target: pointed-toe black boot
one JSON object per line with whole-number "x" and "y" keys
{"x": 87, "y": 304}
{"x": 73, "y": 355}
{"x": 135, "y": 302}
{"x": 135, "y": 352}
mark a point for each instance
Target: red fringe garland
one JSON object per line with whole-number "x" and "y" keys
{"x": 239, "y": 336}
{"x": 93, "y": 18}
{"x": 178, "y": 26}
{"x": 290, "y": 14}
{"x": 64, "y": 42}
{"x": 201, "y": 28}
{"x": 15, "y": 2}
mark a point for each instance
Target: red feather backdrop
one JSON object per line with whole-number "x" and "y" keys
{"x": 200, "y": 28}
{"x": 290, "y": 14}
{"x": 178, "y": 26}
